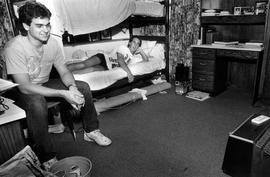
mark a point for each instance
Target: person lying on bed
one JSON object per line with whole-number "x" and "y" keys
{"x": 29, "y": 60}
{"x": 120, "y": 57}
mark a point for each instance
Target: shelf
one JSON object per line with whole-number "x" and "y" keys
{"x": 233, "y": 20}
{"x": 153, "y": 38}
{"x": 147, "y": 20}
{"x": 93, "y": 42}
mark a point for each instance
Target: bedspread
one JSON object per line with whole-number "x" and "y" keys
{"x": 86, "y": 16}
{"x": 101, "y": 79}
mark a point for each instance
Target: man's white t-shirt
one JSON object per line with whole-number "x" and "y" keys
{"x": 111, "y": 58}
{"x": 21, "y": 57}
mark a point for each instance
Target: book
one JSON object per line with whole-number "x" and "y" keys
{"x": 5, "y": 85}
{"x": 225, "y": 43}
{"x": 198, "y": 95}
{"x": 254, "y": 44}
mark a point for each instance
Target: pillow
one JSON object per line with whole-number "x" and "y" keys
{"x": 157, "y": 51}
{"x": 77, "y": 54}
{"x": 135, "y": 59}
{"x": 147, "y": 46}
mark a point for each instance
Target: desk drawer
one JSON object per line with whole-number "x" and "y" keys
{"x": 239, "y": 54}
{"x": 203, "y": 66}
{"x": 203, "y": 82}
{"x": 204, "y": 53}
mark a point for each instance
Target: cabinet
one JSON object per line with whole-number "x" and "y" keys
{"x": 238, "y": 20}
{"x": 210, "y": 64}
{"x": 242, "y": 28}
{"x": 208, "y": 72}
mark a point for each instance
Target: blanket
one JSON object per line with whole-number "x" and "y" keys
{"x": 103, "y": 79}
{"x": 86, "y": 16}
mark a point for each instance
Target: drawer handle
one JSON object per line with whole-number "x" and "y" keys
{"x": 203, "y": 64}
{"x": 201, "y": 79}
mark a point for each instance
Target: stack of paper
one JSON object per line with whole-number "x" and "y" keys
{"x": 254, "y": 44}
{"x": 198, "y": 95}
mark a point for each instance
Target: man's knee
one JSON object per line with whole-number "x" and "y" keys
{"x": 82, "y": 85}
{"x": 84, "y": 88}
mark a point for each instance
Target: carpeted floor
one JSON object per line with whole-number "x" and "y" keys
{"x": 168, "y": 135}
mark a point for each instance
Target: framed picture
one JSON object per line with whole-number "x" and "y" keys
{"x": 237, "y": 11}
{"x": 247, "y": 10}
{"x": 94, "y": 36}
{"x": 260, "y": 7}
{"x": 106, "y": 34}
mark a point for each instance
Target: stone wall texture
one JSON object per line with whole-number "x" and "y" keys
{"x": 6, "y": 33}
{"x": 184, "y": 30}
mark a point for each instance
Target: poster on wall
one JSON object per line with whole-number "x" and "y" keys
{"x": 95, "y": 36}
{"x": 106, "y": 34}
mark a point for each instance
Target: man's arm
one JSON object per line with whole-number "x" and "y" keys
{"x": 69, "y": 81}
{"x": 73, "y": 96}
{"x": 26, "y": 87}
{"x": 142, "y": 53}
{"x": 122, "y": 63}
{"x": 65, "y": 75}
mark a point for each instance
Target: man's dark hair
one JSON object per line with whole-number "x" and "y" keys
{"x": 131, "y": 39}
{"x": 29, "y": 11}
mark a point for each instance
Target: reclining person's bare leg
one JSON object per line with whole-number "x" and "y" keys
{"x": 89, "y": 70}
{"x": 92, "y": 62}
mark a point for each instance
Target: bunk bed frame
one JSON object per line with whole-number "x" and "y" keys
{"x": 138, "y": 21}
{"x": 122, "y": 86}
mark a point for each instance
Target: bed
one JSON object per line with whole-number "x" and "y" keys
{"x": 103, "y": 82}
{"x": 74, "y": 16}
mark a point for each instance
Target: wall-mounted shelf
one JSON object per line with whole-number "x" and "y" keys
{"x": 233, "y": 20}
{"x": 147, "y": 20}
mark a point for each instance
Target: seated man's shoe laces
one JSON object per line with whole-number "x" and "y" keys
{"x": 97, "y": 137}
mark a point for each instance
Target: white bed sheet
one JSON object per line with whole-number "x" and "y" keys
{"x": 103, "y": 79}
{"x": 147, "y": 8}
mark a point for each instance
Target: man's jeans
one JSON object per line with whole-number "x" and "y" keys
{"x": 37, "y": 113}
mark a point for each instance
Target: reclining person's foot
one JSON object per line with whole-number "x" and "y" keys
{"x": 98, "y": 137}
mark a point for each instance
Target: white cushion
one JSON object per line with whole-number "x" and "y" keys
{"x": 157, "y": 51}
{"x": 147, "y": 46}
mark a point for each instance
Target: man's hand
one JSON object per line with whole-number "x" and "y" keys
{"x": 142, "y": 53}
{"x": 74, "y": 97}
{"x": 130, "y": 78}
{"x": 79, "y": 97}
{"x": 138, "y": 51}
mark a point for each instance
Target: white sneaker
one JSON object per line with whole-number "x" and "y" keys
{"x": 97, "y": 137}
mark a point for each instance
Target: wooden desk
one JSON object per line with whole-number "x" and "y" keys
{"x": 209, "y": 66}
{"x": 11, "y": 135}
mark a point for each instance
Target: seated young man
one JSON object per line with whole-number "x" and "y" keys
{"x": 29, "y": 60}
{"x": 119, "y": 58}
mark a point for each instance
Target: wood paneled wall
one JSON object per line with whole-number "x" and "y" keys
{"x": 240, "y": 75}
